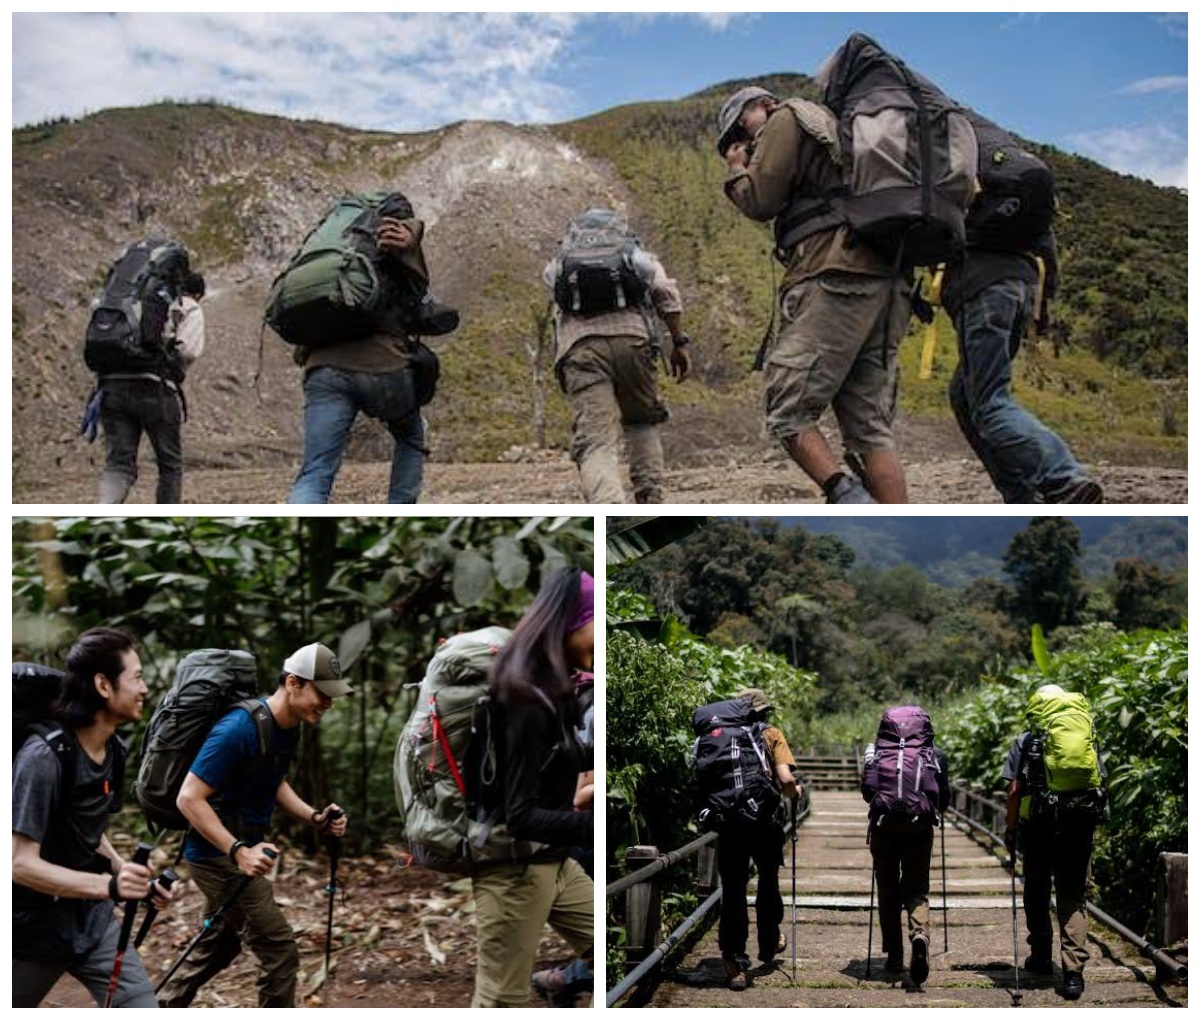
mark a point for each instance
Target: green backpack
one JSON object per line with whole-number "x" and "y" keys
{"x": 447, "y": 734}
{"x": 1067, "y": 784}
{"x": 333, "y": 289}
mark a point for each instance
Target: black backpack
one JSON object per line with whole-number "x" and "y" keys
{"x": 596, "y": 273}
{"x": 1018, "y": 202}
{"x": 908, "y": 158}
{"x": 127, "y": 332}
{"x": 208, "y": 684}
{"x": 34, "y": 691}
{"x": 736, "y": 782}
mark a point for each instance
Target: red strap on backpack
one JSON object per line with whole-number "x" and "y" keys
{"x": 439, "y": 733}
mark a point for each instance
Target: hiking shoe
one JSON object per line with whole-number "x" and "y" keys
{"x": 1072, "y": 985}
{"x": 551, "y": 985}
{"x": 895, "y": 963}
{"x": 848, "y": 490}
{"x": 1038, "y": 965}
{"x": 918, "y": 970}
{"x": 432, "y": 318}
{"x": 780, "y": 947}
{"x": 735, "y": 974}
{"x": 1082, "y": 491}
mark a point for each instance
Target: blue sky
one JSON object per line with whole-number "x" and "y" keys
{"x": 1112, "y": 87}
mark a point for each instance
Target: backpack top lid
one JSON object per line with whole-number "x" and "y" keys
{"x": 736, "y": 712}
{"x": 35, "y": 688}
{"x": 908, "y": 722}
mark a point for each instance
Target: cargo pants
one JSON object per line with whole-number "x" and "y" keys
{"x": 1062, "y": 858}
{"x": 253, "y": 918}
{"x": 901, "y": 859}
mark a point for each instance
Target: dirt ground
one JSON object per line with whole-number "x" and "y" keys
{"x": 401, "y": 937}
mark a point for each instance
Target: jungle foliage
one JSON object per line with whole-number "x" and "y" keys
{"x": 381, "y": 592}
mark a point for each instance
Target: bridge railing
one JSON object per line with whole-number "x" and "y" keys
{"x": 642, "y": 886}
{"x": 986, "y": 813}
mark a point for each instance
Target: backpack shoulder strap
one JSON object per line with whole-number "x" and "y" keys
{"x": 258, "y": 711}
{"x": 61, "y": 740}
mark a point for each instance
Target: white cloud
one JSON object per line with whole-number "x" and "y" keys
{"x": 1150, "y": 151}
{"x": 1148, "y": 86}
{"x": 1175, "y": 24}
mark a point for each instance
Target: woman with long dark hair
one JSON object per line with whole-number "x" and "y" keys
{"x": 536, "y": 715}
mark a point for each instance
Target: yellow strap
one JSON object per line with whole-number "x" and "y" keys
{"x": 935, "y": 285}
{"x": 928, "y": 350}
{"x": 1039, "y": 303}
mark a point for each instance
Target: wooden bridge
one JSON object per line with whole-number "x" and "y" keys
{"x": 832, "y": 904}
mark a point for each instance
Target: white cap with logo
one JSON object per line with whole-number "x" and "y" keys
{"x": 317, "y": 663}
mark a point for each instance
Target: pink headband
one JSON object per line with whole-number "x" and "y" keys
{"x": 585, "y": 612}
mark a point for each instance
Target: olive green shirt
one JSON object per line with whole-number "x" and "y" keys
{"x": 787, "y": 163}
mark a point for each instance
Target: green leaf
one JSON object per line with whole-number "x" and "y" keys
{"x": 1041, "y": 654}
{"x": 512, "y": 565}
{"x": 353, "y": 643}
{"x": 472, "y": 578}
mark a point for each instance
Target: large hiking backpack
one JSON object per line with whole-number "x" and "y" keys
{"x": 447, "y": 734}
{"x": 909, "y": 160}
{"x": 1061, "y": 766}
{"x": 128, "y": 333}
{"x": 1017, "y": 201}
{"x": 596, "y": 271}
{"x": 208, "y": 683}
{"x": 736, "y": 783}
{"x": 34, "y": 691}
{"x": 904, "y": 772}
{"x": 335, "y": 287}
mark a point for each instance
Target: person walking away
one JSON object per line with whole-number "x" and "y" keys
{"x": 608, "y": 290}
{"x": 228, "y": 798}
{"x": 1056, "y": 798}
{"x": 66, "y": 785}
{"x": 907, "y": 785}
{"x": 535, "y": 714}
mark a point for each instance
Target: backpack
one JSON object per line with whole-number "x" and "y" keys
{"x": 736, "y": 783}
{"x": 1060, "y": 760}
{"x": 596, "y": 272}
{"x": 35, "y": 689}
{"x": 448, "y": 732}
{"x": 1017, "y": 202}
{"x": 128, "y": 333}
{"x": 335, "y": 287}
{"x": 902, "y": 779}
{"x": 908, "y": 159}
{"x": 208, "y": 683}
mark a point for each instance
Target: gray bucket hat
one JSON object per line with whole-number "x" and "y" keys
{"x": 731, "y": 112}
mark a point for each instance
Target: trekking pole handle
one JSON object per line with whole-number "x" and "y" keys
{"x": 334, "y": 843}
{"x": 167, "y": 879}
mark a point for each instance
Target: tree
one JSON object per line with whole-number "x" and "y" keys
{"x": 1043, "y": 563}
{"x": 1145, "y": 596}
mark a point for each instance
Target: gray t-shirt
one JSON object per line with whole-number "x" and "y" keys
{"x": 68, "y": 825}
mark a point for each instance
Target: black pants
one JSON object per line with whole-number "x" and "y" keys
{"x": 735, "y": 850}
{"x": 131, "y": 407}
{"x": 1061, "y": 858}
{"x": 901, "y": 859}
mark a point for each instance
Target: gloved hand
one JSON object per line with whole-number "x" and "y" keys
{"x": 89, "y": 427}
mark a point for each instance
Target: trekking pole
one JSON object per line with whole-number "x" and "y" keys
{"x": 945, "y": 907}
{"x": 334, "y": 845}
{"x": 167, "y": 879}
{"x": 871, "y": 919}
{"x": 141, "y": 855}
{"x": 1012, "y": 867}
{"x": 208, "y": 922}
{"x": 795, "y": 812}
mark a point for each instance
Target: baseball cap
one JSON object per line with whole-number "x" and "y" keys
{"x": 317, "y": 663}
{"x": 757, "y": 698}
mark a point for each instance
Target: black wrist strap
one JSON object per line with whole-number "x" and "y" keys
{"x": 114, "y": 892}
{"x": 237, "y": 845}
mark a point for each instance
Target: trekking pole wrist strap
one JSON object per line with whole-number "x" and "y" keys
{"x": 114, "y": 891}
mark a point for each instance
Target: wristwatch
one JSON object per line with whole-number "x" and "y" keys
{"x": 237, "y": 845}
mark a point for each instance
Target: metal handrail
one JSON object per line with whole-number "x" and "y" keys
{"x": 1143, "y": 946}
{"x": 654, "y": 867}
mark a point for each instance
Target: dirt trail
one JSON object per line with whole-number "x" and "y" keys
{"x": 833, "y": 887}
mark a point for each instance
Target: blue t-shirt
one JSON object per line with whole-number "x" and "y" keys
{"x": 246, "y": 784}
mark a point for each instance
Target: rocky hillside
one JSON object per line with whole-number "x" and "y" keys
{"x": 241, "y": 190}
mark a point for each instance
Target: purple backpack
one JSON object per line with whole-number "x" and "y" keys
{"x": 901, "y": 781}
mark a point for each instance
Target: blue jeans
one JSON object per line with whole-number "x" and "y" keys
{"x": 332, "y": 400}
{"x": 1024, "y": 458}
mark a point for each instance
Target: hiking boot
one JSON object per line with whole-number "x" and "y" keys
{"x": 1082, "y": 491}
{"x": 918, "y": 970}
{"x": 551, "y": 985}
{"x": 895, "y": 963}
{"x": 848, "y": 490}
{"x": 735, "y": 974}
{"x": 1038, "y": 965}
{"x": 780, "y": 947}
{"x": 432, "y": 318}
{"x": 1072, "y": 985}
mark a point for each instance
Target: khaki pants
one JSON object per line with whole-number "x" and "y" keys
{"x": 902, "y": 876}
{"x": 254, "y": 919}
{"x": 513, "y": 903}
{"x": 1061, "y": 858}
{"x": 611, "y": 386}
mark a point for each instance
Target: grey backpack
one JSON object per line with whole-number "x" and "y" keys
{"x": 596, "y": 270}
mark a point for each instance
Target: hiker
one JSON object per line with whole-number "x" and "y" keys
{"x": 535, "y": 714}
{"x": 67, "y": 782}
{"x": 743, "y": 808}
{"x": 1056, "y": 798}
{"x": 1004, "y": 286}
{"x": 228, "y": 797}
{"x": 906, "y": 781}
{"x": 140, "y": 384}
{"x": 378, "y": 369}
{"x": 843, "y": 308}
{"x": 607, "y": 291}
